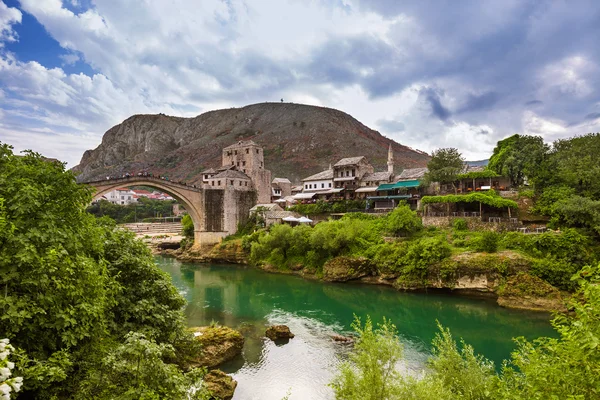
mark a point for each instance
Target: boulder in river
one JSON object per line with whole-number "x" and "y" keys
{"x": 342, "y": 339}
{"x": 219, "y": 344}
{"x": 279, "y": 332}
{"x": 219, "y": 384}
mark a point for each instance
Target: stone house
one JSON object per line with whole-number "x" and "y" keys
{"x": 122, "y": 196}
{"x": 280, "y": 188}
{"x": 347, "y": 174}
{"x": 247, "y": 157}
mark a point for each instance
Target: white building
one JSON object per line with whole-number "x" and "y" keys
{"x": 122, "y": 196}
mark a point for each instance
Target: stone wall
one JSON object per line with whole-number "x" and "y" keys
{"x": 474, "y": 223}
{"x": 214, "y": 210}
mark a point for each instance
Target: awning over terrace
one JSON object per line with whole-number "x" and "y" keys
{"x": 393, "y": 197}
{"x": 332, "y": 191}
{"x": 398, "y": 185}
{"x": 304, "y": 196}
{"x": 366, "y": 189}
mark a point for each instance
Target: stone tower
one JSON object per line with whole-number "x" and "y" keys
{"x": 390, "y": 162}
{"x": 248, "y": 157}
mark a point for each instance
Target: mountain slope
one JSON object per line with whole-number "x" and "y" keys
{"x": 299, "y": 140}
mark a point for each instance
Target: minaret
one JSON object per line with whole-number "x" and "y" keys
{"x": 390, "y": 162}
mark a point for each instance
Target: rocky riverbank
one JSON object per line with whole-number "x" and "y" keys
{"x": 501, "y": 275}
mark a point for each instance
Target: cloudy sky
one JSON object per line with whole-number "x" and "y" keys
{"x": 428, "y": 74}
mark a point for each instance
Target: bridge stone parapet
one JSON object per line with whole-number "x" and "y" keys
{"x": 216, "y": 212}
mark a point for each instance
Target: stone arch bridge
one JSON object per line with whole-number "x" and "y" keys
{"x": 216, "y": 213}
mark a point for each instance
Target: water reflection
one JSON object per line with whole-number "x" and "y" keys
{"x": 250, "y": 300}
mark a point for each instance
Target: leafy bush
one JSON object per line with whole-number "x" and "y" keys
{"x": 565, "y": 367}
{"x": 74, "y": 286}
{"x": 402, "y": 221}
{"x": 188, "y": 226}
{"x": 486, "y": 242}
{"x": 460, "y": 224}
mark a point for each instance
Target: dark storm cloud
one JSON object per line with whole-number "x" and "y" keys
{"x": 432, "y": 97}
{"x": 486, "y": 55}
{"x": 480, "y": 102}
{"x": 593, "y": 115}
{"x": 534, "y": 103}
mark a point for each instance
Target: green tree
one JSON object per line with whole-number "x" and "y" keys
{"x": 445, "y": 166}
{"x": 72, "y": 286}
{"x": 518, "y": 157}
{"x": 403, "y": 221}
{"x": 577, "y": 165}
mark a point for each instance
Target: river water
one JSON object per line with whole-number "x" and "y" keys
{"x": 250, "y": 300}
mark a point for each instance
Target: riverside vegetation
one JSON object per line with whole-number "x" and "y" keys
{"x": 88, "y": 312}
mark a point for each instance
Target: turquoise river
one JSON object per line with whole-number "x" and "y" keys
{"x": 250, "y": 300}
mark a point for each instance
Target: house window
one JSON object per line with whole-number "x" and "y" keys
{"x": 245, "y": 183}
{"x": 232, "y": 163}
{"x": 122, "y": 197}
{"x": 256, "y": 151}
{"x": 235, "y": 152}
{"x": 305, "y": 186}
{"x": 243, "y": 163}
{"x": 240, "y": 183}
{"x": 329, "y": 184}
{"x": 347, "y": 173}
{"x": 212, "y": 183}
{"x": 353, "y": 172}
{"x": 322, "y": 185}
{"x": 232, "y": 182}
{"x": 218, "y": 183}
{"x": 261, "y": 164}
{"x": 247, "y": 151}
{"x": 238, "y": 163}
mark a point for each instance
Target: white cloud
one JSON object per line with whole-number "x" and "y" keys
{"x": 69, "y": 59}
{"x": 8, "y": 17}
{"x": 182, "y": 57}
{"x": 567, "y": 77}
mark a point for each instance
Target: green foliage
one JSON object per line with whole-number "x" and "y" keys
{"x": 557, "y": 255}
{"x": 403, "y": 221}
{"x": 465, "y": 374}
{"x": 486, "y": 173}
{"x": 486, "y": 242}
{"x": 490, "y": 198}
{"x": 518, "y": 157}
{"x": 577, "y": 211}
{"x": 566, "y": 367}
{"x": 370, "y": 372}
{"x": 575, "y": 164}
{"x": 73, "y": 286}
{"x": 445, "y": 166}
{"x": 143, "y": 209}
{"x": 460, "y": 224}
{"x": 544, "y": 204}
{"x": 188, "y": 227}
{"x": 136, "y": 370}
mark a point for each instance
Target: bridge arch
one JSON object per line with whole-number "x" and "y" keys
{"x": 191, "y": 197}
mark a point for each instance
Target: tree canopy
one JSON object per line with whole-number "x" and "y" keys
{"x": 518, "y": 157}
{"x": 445, "y": 165}
{"x": 75, "y": 289}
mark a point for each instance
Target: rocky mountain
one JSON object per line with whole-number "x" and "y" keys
{"x": 299, "y": 140}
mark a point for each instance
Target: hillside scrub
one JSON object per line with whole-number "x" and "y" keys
{"x": 566, "y": 367}
{"x": 417, "y": 255}
{"x": 83, "y": 302}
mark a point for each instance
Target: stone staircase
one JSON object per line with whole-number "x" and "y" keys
{"x": 154, "y": 228}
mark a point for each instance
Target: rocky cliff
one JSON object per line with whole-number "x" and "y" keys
{"x": 299, "y": 140}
